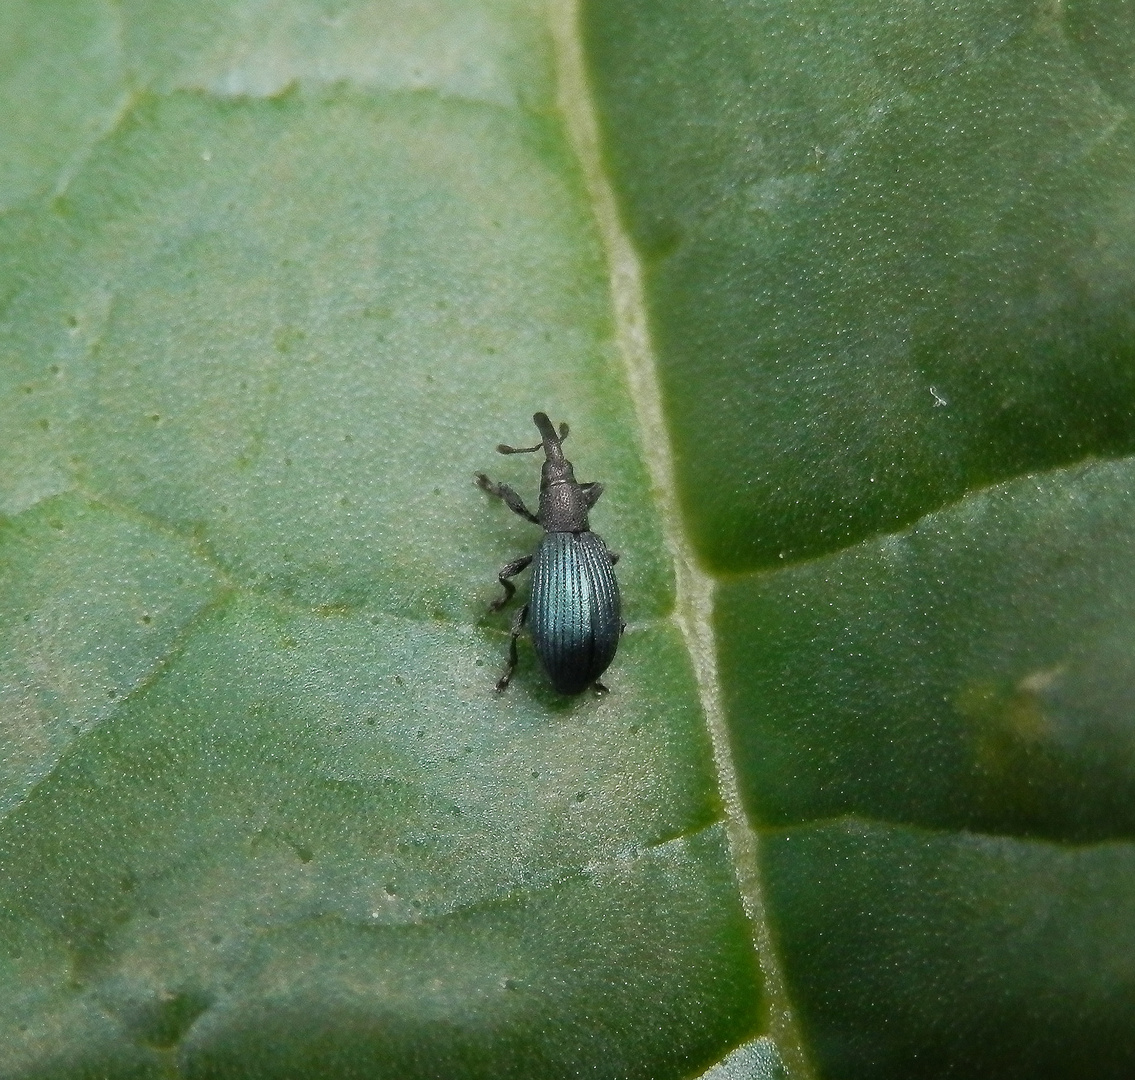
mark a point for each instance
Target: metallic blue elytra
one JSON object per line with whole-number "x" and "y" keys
{"x": 575, "y": 611}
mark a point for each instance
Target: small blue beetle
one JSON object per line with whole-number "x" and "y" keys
{"x": 575, "y": 607}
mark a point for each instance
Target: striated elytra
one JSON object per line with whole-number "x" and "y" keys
{"x": 574, "y": 613}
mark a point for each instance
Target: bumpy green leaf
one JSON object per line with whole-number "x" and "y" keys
{"x": 996, "y": 683}
{"x": 904, "y": 232}
{"x": 937, "y": 954}
{"x": 973, "y": 676}
{"x": 61, "y": 88}
{"x": 263, "y": 810}
{"x": 275, "y": 279}
{"x": 887, "y": 258}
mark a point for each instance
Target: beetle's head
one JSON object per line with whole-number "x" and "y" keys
{"x": 557, "y": 469}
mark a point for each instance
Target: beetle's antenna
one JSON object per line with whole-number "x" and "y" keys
{"x": 503, "y": 449}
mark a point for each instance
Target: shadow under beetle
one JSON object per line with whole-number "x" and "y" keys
{"x": 574, "y": 612}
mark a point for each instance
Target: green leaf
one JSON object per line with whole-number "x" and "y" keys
{"x": 263, "y": 808}
{"x": 886, "y": 255}
{"x": 972, "y": 676}
{"x": 924, "y": 953}
{"x": 61, "y": 87}
{"x": 998, "y": 681}
{"x": 904, "y": 231}
{"x": 837, "y": 303}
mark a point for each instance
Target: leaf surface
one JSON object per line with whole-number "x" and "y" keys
{"x": 836, "y": 300}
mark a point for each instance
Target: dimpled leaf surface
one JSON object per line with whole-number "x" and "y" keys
{"x": 888, "y": 265}
{"x": 276, "y": 277}
{"x": 270, "y": 296}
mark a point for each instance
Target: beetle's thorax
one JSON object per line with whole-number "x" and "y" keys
{"x": 563, "y": 505}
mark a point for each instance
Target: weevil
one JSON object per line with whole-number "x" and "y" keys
{"x": 574, "y": 612}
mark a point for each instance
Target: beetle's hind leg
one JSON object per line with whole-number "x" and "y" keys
{"x": 509, "y": 571}
{"x": 502, "y": 491}
{"x": 517, "y": 627}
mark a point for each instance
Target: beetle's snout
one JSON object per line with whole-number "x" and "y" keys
{"x": 550, "y": 437}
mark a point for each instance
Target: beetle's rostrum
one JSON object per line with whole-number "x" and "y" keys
{"x": 574, "y": 613}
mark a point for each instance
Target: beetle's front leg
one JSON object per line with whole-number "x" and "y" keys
{"x": 517, "y": 626}
{"x": 502, "y": 491}
{"x": 509, "y": 571}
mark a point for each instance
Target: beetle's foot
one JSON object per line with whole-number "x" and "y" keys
{"x": 600, "y": 688}
{"x": 503, "y": 681}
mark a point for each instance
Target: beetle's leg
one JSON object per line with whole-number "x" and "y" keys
{"x": 600, "y": 688}
{"x": 517, "y": 626}
{"x": 614, "y": 556}
{"x": 511, "y": 499}
{"x": 511, "y": 570}
{"x": 591, "y": 493}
